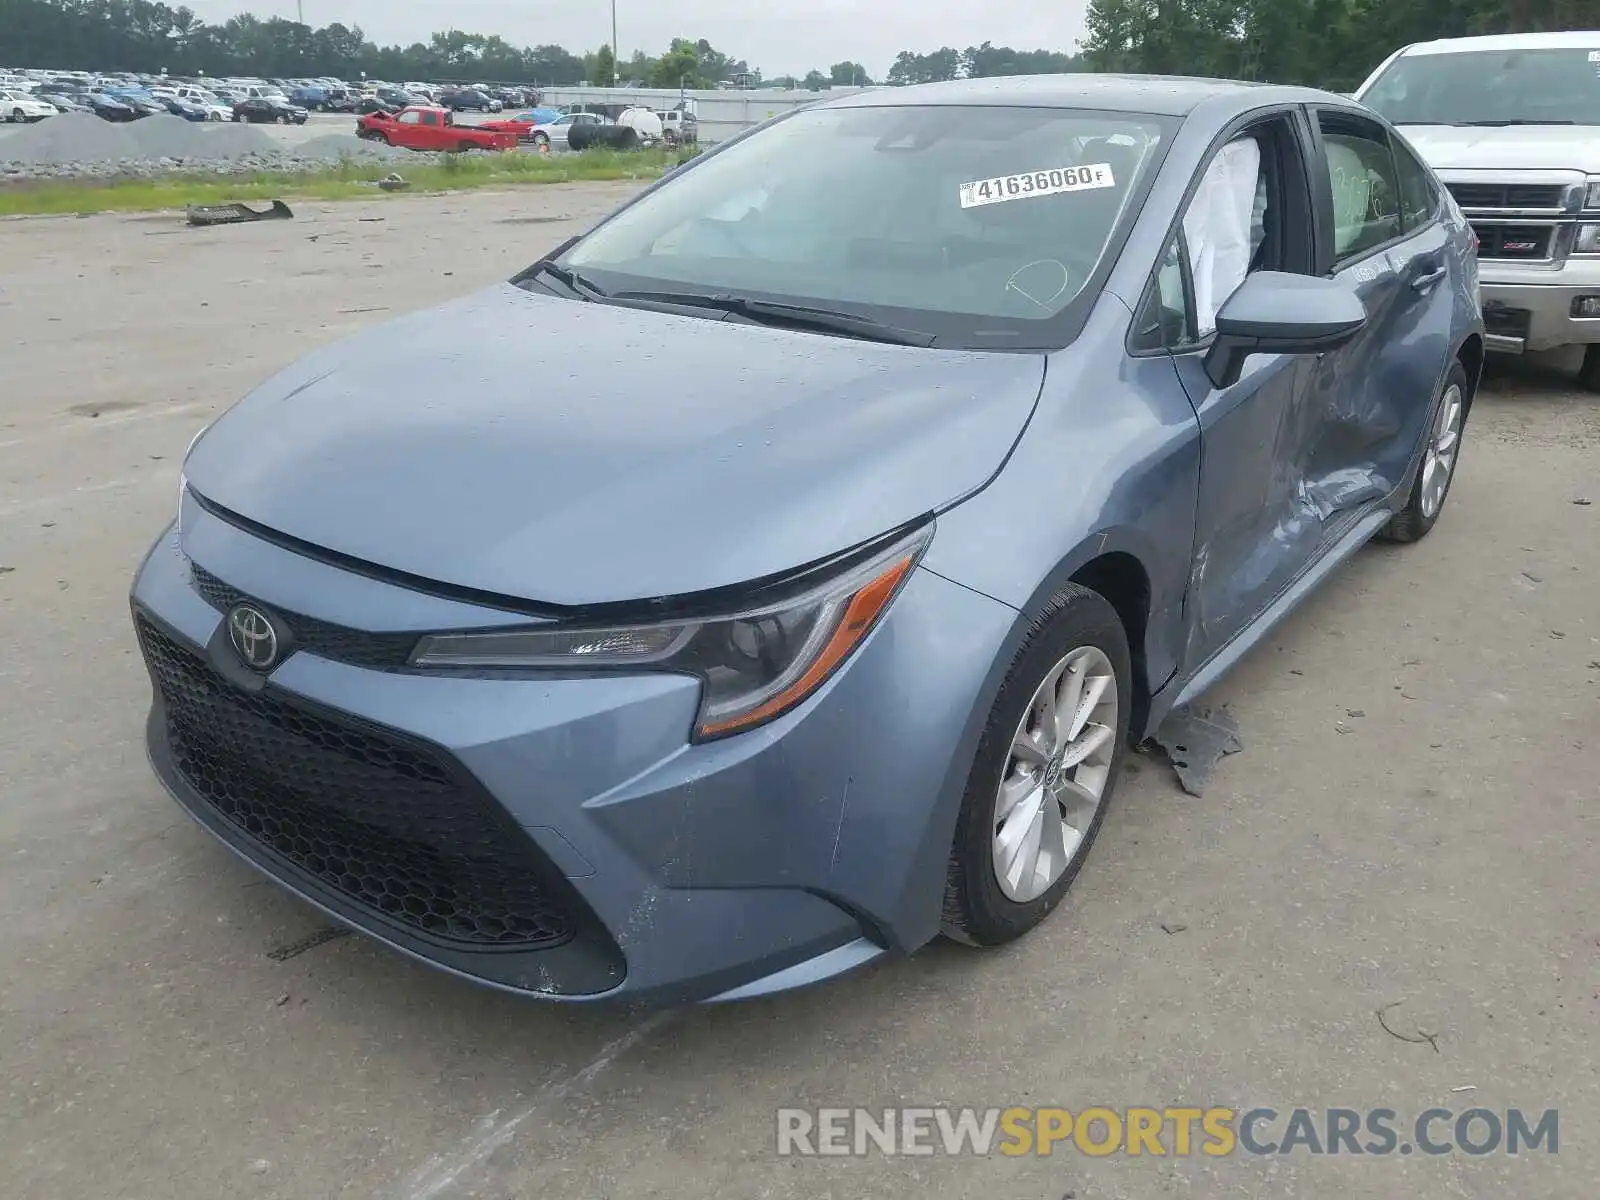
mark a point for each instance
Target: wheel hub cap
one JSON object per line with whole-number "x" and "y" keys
{"x": 1056, "y": 774}
{"x": 1439, "y": 460}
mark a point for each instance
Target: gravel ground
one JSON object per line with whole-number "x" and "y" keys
{"x": 81, "y": 146}
{"x": 1413, "y": 819}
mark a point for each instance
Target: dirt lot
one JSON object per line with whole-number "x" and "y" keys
{"x": 1413, "y": 820}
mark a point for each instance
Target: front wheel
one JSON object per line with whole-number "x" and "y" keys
{"x": 18, "y": 116}
{"x": 541, "y": 140}
{"x": 1589, "y": 373}
{"x": 1044, "y": 773}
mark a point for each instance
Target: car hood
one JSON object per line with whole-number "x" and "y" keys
{"x": 573, "y": 453}
{"x": 1511, "y": 148}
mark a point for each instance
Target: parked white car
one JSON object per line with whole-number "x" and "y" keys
{"x": 554, "y": 133}
{"x": 19, "y": 106}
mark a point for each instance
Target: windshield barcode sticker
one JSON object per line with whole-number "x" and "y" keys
{"x": 1052, "y": 182}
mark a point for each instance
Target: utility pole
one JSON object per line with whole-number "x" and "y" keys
{"x": 300, "y": 11}
{"x": 616, "y": 54}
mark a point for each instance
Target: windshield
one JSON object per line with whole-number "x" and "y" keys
{"x": 979, "y": 225}
{"x": 1490, "y": 87}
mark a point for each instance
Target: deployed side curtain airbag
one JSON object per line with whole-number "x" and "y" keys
{"x": 1218, "y": 228}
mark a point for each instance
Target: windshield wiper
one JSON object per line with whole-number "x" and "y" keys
{"x": 792, "y": 316}
{"x": 574, "y": 281}
{"x": 1517, "y": 121}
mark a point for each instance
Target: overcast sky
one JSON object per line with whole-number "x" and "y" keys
{"x": 796, "y": 36}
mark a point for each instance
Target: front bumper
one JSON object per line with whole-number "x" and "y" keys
{"x": 1531, "y": 308}
{"x": 559, "y": 837}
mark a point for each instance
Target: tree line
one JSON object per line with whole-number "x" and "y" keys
{"x": 1327, "y": 43}
{"x": 149, "y": 37}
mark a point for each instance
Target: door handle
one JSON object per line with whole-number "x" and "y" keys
{"x": 1426, "y": 283}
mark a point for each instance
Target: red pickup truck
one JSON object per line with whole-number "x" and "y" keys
{"x": 424, "y": 128}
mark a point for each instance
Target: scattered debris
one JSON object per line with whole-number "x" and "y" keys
{"x": 1171, "y": 929}
{"x": 371, "y": 220}
{"x": 234, "y": 214}
{"x": 1557, "y": 634}
{"x": 1195, "y": 740}
{"x": 1341, "y": 727}
{"x": 1421, "y": 1037}
{"x": 393, "y": 183}
{"x": 1354, "y": 712}
{"x": 1532, "y": 578}
{"x": 311, "y": 942}
{"x": 1465, "y": 1087}
{"x": 1296, "y": 671}
{"x": 1583, "y": 501}
{"x": 6, "y": 570}
{"x": 281, "y": 1000}
{"x": 377, "y": 308}
{"x": 260, "y": 1167}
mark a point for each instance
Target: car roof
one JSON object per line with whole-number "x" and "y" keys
{"x": 1574, "y": 39}
{"x": 1162, "y": 95}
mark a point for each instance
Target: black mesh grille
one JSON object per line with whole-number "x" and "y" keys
{"x": 1502, "y": 195}
{"x": 379, "y": 651}
{"x": 387, "y": 823}
{"x": 1513, "y": 241}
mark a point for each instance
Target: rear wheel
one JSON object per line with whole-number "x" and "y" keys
{"x": 1044, "y": 773}
{"x": 1589, "y": 373}
{"x": 1439, "y": 458}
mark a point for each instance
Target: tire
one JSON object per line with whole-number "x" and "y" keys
{"x": 463, "y": 147}
{"x": 239, "y": 117}
{"x": 1078, "y": 626}
{"x": 1589, "y": 373}
{"x": 283, "y": 118}
{"x": 18, "y": 116}
{"x": 541, "y": 139}
{"x": 1427, "y": 499}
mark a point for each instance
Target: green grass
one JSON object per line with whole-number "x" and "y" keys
{"x": 345, "y": 180}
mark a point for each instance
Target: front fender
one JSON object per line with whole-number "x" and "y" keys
{"x": 1110, "y": 463}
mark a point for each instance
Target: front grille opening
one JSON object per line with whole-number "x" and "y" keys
{"x": 384, "y": 822}
{"x": 1507, "y": 195}
{"x": 359, "y": 648}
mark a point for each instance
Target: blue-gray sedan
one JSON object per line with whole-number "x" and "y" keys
{"x": 903, "y": 462}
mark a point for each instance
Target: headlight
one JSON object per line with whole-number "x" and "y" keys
{"x": 755, "y": 664}
{"x": 1588, "y": 240}
{"x": 1592, "y": 199}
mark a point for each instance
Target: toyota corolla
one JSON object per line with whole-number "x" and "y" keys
{"x": 909, "y": 458}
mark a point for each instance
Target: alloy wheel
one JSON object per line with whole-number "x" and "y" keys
{"x": 1439, "y": 460}
{"x": 1056, "y": 774}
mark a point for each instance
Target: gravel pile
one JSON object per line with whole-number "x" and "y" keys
{"x": 81, "y": 145}
{"x": 331, "y": 147}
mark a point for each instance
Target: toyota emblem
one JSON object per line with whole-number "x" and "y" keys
{"x": 252, "y": 633}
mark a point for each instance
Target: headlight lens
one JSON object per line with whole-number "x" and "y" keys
{"x": 1592, "y": 200}
{"x": 755, "y": 664}
{"x": 1588, "y": 240}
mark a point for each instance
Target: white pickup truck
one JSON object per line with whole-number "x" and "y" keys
{"x": 1511, "y": 124}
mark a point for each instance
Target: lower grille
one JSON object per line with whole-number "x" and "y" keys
{"x": 390, "y": 825}
{"x": 1516, "y": 242}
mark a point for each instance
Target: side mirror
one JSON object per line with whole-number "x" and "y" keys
{"x": 1277, "y": 313}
